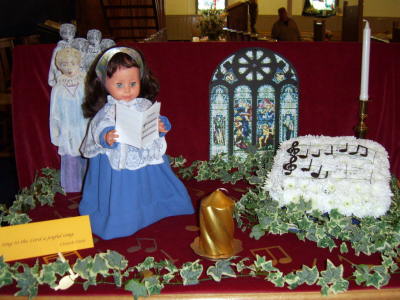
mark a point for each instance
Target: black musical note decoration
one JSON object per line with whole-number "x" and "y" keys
{"x": 345, "y": 148}
{"x": 329, "y": 153}
{"x": 365, "y": 154}
{"x": 303, "y": 156}
{"x": 293, "y": 150}
{"x": 308, "y": 168}
{"x": 291, "y": 166}
{"x": 316, "y": 175}
{"x": 317, "y": 154}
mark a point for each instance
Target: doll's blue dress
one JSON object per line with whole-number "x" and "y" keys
{"x": 127, "y": 188}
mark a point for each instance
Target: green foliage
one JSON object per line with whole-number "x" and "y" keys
{"x": 41, "y": 191}
{"x": 259, "y": 213}
{"x": 137, "y": 288}
{"x": 211, "y": 23}
{"x": 332, "y": 280}
{"x": 191, "y": 272}
{"x": 222, "y": 267}
{"x": 255, "y": 211}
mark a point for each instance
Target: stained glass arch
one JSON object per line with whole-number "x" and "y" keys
{"x": 254, "y": 100}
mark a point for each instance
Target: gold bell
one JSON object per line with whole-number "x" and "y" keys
{"x": 216, "y": 228}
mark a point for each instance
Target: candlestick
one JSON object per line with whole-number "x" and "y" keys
{"x": 365, "y": 62}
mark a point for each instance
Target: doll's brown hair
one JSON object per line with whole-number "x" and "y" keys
{"x": 96, "y": 93}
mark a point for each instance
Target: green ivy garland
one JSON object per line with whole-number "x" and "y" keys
{"x": 255, "y": 211}
{"x": 42, "y": 191}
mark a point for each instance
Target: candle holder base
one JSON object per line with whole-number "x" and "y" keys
{"x": 236, "y": 248}
{"x": 361, "y": 129}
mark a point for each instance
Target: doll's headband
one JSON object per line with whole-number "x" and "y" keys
{"x": 101, "y": 67}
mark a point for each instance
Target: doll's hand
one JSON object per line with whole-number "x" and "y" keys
{"x": 110, "y": 137}
{"x": 161, "y": 126}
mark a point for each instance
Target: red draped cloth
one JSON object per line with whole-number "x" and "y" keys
{"x": 329, "y": 76}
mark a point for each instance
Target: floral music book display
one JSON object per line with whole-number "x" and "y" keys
{"x": 344, "y": 173}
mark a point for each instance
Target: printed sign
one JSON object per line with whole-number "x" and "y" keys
{"x": 43, "y": 238}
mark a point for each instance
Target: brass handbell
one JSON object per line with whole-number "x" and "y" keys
{"x": 216, "y": 228}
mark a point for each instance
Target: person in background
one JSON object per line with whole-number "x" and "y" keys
{"x": 285, "y": 29}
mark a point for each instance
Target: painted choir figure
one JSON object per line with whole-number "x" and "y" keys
{"x": 67, "y": 124}
{"x": 70, "y": 61}
{"x": 67, "y": 33}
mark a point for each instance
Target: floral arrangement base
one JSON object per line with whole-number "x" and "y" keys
{"x": 344, "y": 173}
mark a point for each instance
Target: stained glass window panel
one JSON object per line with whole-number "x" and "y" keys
{"x": 219, "y": 120}
{"x": 242, "y": 118}
{"x": 265, "y": 118}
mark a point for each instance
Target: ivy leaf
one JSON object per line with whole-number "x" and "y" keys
{"x": 377, "y": 277}
{"x": 60, "y": 267}
{"x": 293, "y": 280}
{"x": 15, "y": 218}
{"x": 191, "y": 272}
{"x": 264, "y": 265}
{"x": 331, "y": 279}
{"x": 308, "y": 275}
{"x": 361, "y": 273}
{"x": 83, "y": 266}
{"x": 343, "y": 248}
{"x": 147, "y": 264}
{"x": 117, "y": 278}
{"x": 222, "y": 267}
{"x": 27, "y": 282}
{"x": 339, "y": 286}
{"x": 240, "y": 266}
{"x": 276, "y": 278}
{"x": 257, "y": 232}
{"x": 89, "y": 282}
{"x": 170, "y": 266}
{"x": 326, "y": 242}
{"x": 389, "y": 263}
{"x": 99, "y": 265}
{"x": 114, "y": 260}
{"x": 168, "y": 277}
{"x": 153, "y": 285}
{"x": 5, "y": 274}
{"x": 47, "y": 275}
{"x": 137, "y": 288}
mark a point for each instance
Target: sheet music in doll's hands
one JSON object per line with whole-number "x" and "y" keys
{"x": 137, "y": 128}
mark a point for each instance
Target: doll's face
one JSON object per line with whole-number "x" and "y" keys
{"x": 124, "y": 85}
{"x": 69, "y": 66}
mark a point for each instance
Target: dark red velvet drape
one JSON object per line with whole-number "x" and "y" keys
{"x": 329, "y": 75}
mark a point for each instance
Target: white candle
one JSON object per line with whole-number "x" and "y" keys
{"x": 365, "y": 62}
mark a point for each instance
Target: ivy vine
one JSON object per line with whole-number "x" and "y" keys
{"x": 41, "y": 192}
{"x": 255, "y": 212}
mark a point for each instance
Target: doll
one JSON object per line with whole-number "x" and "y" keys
{"x": 67, "y": 123}
{"x": 126, "y": 188}
{"x": 94, "y": 39}
{"x": 67, "y": 33}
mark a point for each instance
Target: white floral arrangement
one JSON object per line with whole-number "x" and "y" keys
{"x": 349, "y": 174}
